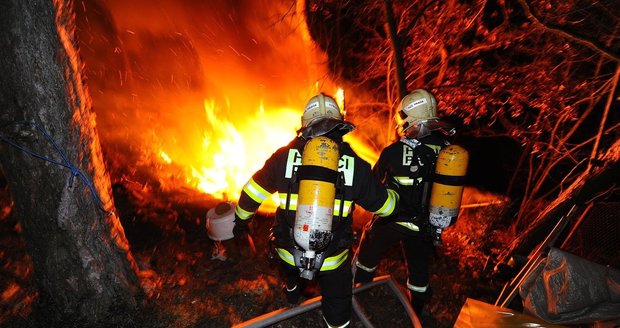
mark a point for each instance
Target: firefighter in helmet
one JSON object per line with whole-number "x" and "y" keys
{"x": 407, "y": 166}
{"x": 326, "y": 257}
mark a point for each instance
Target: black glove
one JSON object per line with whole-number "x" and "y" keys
{"x": 244, "y": 245}
{"x": 241, "y": 228}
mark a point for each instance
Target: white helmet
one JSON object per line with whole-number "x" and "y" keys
{"x": 321, "y": 116}
{"x": 418, "y": 114}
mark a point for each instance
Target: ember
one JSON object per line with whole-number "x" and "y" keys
{"x": 191, "y": 97}
{"x": 199, "y": 104}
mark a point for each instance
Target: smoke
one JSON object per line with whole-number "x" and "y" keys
{"x": 151, "y": 65}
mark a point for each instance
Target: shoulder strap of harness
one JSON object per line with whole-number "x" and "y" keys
{"x": 333, "y": 245}
{"x": 421, "y": 172}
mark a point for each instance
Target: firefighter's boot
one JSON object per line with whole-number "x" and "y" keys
{"x": 292, "y": 289}
{"x": 362, "y": 273}
{"x": 418, "y": 299}
{"x": 292, "y": 295}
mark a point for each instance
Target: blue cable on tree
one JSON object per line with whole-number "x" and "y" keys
{"x": 65, "y": 162}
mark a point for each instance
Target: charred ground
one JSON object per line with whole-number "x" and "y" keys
{"x": 186, "y": 287}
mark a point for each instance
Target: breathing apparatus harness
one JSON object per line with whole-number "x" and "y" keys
{"x": 421, "y": 174}
{"x": 423, "y": 166}
{"x": 310, "y": 266}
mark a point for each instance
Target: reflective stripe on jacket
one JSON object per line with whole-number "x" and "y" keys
{"x": 406, "y": 170}
{"x": 330, "y": 263}
{"x": 360, "y": 187}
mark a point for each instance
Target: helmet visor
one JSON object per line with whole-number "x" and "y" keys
{"x": 420, "y": 129}
{"x": 325, "y": 126}
{"x": 438, "y": 125}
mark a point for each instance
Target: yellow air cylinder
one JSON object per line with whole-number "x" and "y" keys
{"x": 448, "y": 184}
{"x": 317, "y": 190}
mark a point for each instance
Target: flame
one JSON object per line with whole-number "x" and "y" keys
{"x": 230, "y": 156}
{"x": 228, "y": 153}
{"x": 200, "y": 95}
{"x": 165, "y": 157}
{"x": 339, "y": 96}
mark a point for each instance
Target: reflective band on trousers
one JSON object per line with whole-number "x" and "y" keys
{"x": 416, "y": 288}
{"x": 346, "y": 324}
{"x": 330, "y": 263}
{"x": 409, "y": 225}
{"x": 363, "y": 267}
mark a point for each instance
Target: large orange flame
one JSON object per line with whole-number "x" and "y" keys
{"x": 151, "y": 68}
{"x": 228, "y": 153}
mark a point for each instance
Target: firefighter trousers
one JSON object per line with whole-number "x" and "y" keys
{"x": 379, "y": 237}
{"x": 336, "y": 290}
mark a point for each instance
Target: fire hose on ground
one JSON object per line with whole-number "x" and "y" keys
{"x": 274, "y": 317}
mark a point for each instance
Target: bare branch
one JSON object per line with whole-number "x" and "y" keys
{"x": 604, "y": 118}
{"x": 414, "y": 21}
{"x": 588, "y": 42}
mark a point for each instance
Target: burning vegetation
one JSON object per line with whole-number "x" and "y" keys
{"x": 191, "y": 97}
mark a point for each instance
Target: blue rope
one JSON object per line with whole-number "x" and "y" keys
{"x": 75, "y": 172}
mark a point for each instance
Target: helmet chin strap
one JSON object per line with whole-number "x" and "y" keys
{"x": 448, "y": 131}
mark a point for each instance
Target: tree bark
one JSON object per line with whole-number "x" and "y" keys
{"x": 82, "y": 264}
{"x": 397, "y": 49}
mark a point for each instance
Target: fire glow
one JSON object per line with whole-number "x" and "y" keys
{"x": 199, "y": 97}
{"x": 229, "y": 152}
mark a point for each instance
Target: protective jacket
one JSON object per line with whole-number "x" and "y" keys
{"x": 357, "y": 186}
{"x": 408, "y": 166}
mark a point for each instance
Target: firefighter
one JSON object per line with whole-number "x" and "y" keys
{"x": 407, "y": 166}
{"x": 353, "y": 183}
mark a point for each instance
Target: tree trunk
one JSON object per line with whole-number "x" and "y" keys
{"x": 397, "y": 49}
{"x": 82, "y": 264}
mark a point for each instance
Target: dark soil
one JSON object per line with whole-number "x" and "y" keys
{"x": 187, "y": 287}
